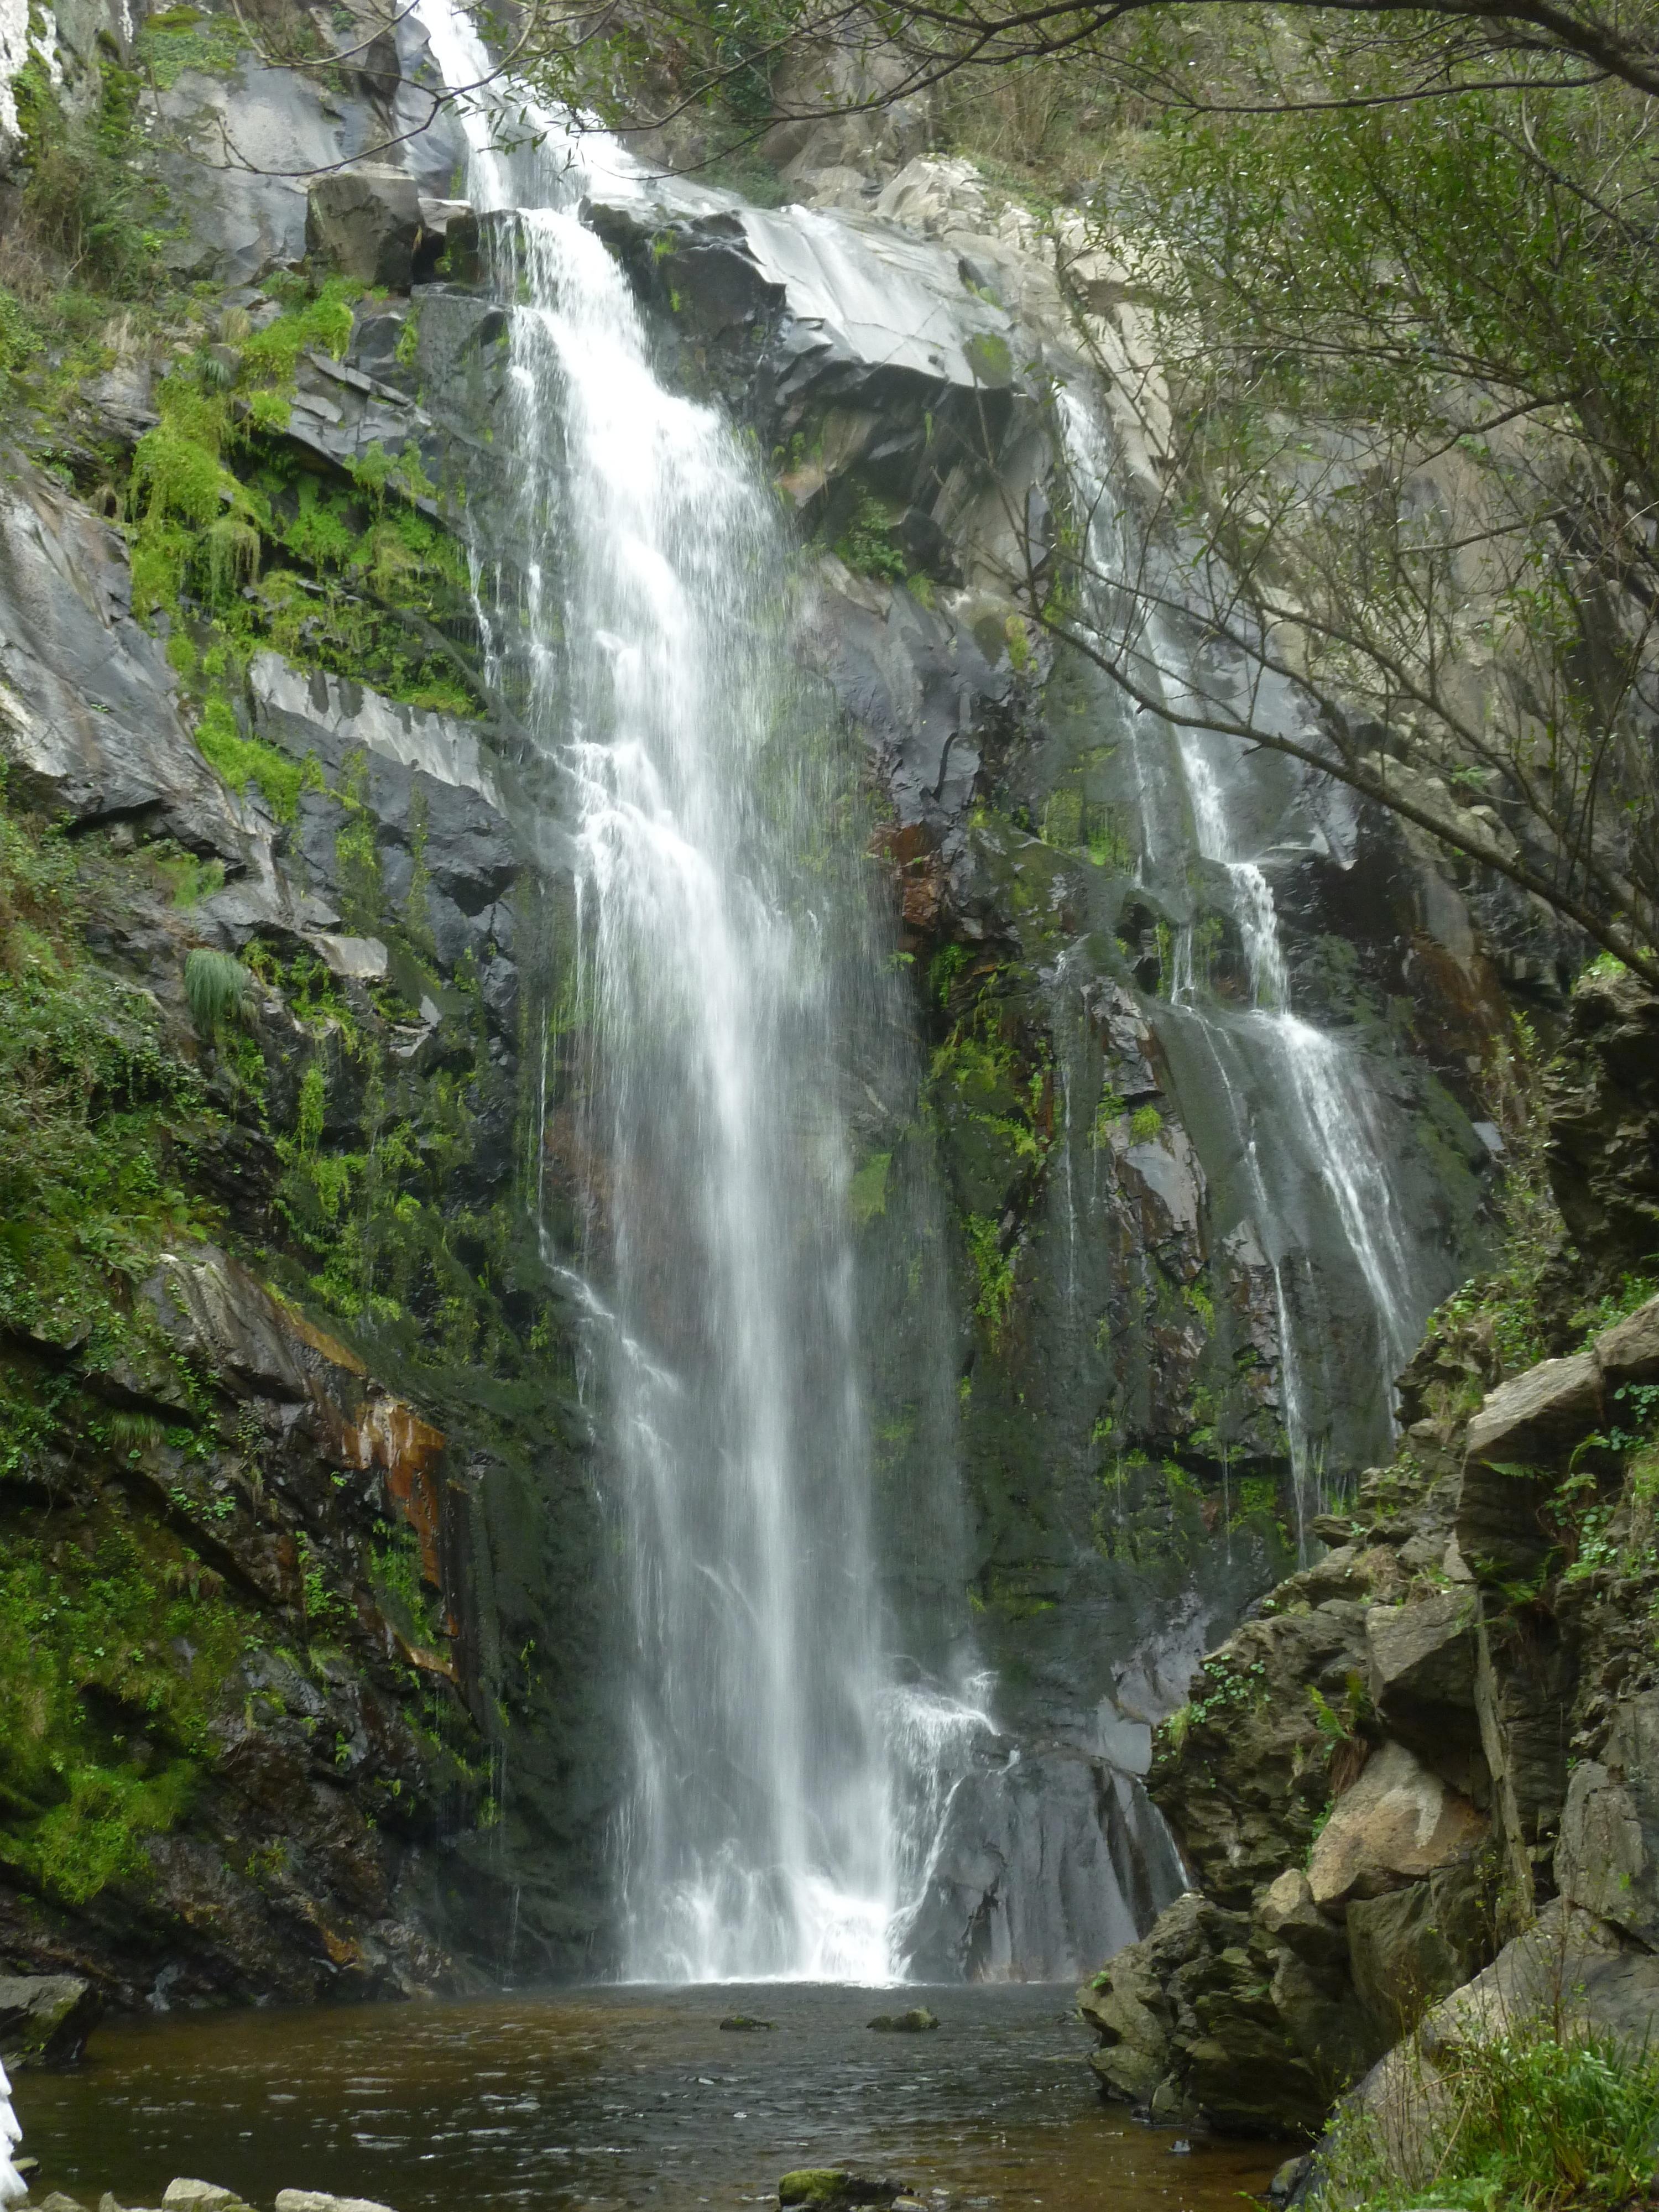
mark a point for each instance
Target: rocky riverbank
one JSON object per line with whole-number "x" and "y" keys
{"x": 1415, "y": 1786}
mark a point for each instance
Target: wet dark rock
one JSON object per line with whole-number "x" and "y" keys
{"x": 340, "y": 412}
{"x": 429, "y": 791}
{"x": 1202, "y": 2020}
{"x": 45, "y": 2019}
{"x": 916, "y": 2022}
{"x": 1290, "y": 2180}
{"x": 1045, "y": 1859}
{"x": 741, "y": 2023}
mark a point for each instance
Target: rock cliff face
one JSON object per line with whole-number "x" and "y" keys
{"x": 271, "y": 1624}
{"x": 299, "y": 1520}
{"x": 1438, "y": 1733}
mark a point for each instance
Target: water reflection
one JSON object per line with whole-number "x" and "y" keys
{"x": 615, "y": 2097}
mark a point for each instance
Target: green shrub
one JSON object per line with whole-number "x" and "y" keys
{"x": 86, "y": 199}
{"x": 868, "y": 544}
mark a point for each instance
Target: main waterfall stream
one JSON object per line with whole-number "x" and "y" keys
{"x": 721, "y": 924}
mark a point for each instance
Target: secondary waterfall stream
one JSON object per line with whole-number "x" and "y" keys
{"x": 1331, "y": 1150}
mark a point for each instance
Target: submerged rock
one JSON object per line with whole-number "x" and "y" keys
{"x": 741, "y": 2023}
{"x": 916, "y": 2022}
{"x": 319, "y": 2200}
{"x": 815, "y": 2185}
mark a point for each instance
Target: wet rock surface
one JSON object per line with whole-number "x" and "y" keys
{"x": 1115, "y": 1329}
{"x": 45, "y": 2019}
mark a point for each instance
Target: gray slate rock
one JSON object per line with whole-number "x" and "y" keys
{"x": 1607, "y": 1858}
{"x": 89, "y": 716}
{"x": 1539, "y": 1414}
{"x": 1628, "y": 1352}
{"x": 226, "y": 1322}
{"x": 365, "y": 222}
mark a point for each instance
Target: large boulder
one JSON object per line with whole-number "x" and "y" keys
{"x": 1537, "y": 1415}
{"x": 1628, "y": 1352}
{"x": 1421, "y": 1662}
{"x": 1569, "y": 1967}
{"x": 1128, "y": 2006}
{"x": 1212, "y": 2018}
{"x": 1397, "y": 1824}
{"x": 365, "y": 222}
{"x": 45, "y": 2019}
{"x": 1411, "y": 1948}
{"x": 1514, "y": 1444}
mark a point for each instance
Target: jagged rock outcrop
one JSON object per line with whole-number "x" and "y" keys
{"x": 376, "y": 1120}
{"x": 1483, "y": 1755}
{"x": 1604, "y": 1125}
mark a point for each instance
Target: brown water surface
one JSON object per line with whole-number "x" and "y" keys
{"x": 615, "y": 2097}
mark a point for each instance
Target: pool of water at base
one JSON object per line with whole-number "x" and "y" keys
{"x": 618, "y": 2097}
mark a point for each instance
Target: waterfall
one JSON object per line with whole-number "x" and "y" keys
{"x": 801, "y": 1802}
{"x": 12, "y": 2184}
{"x": 719, "y": 912}
{"x": 1328, "y": 1123}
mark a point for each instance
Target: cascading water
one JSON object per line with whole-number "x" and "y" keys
{"x": 1328, "y": 1116}
{"x": 717, "y": 914}
{"x": 801, "y": 1803}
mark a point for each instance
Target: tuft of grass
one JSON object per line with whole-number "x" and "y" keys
{"x": 217, "y": 989}
{"x": 1530, "y": 2119}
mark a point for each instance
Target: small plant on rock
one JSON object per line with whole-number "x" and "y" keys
{"x": 217, "y": 989}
